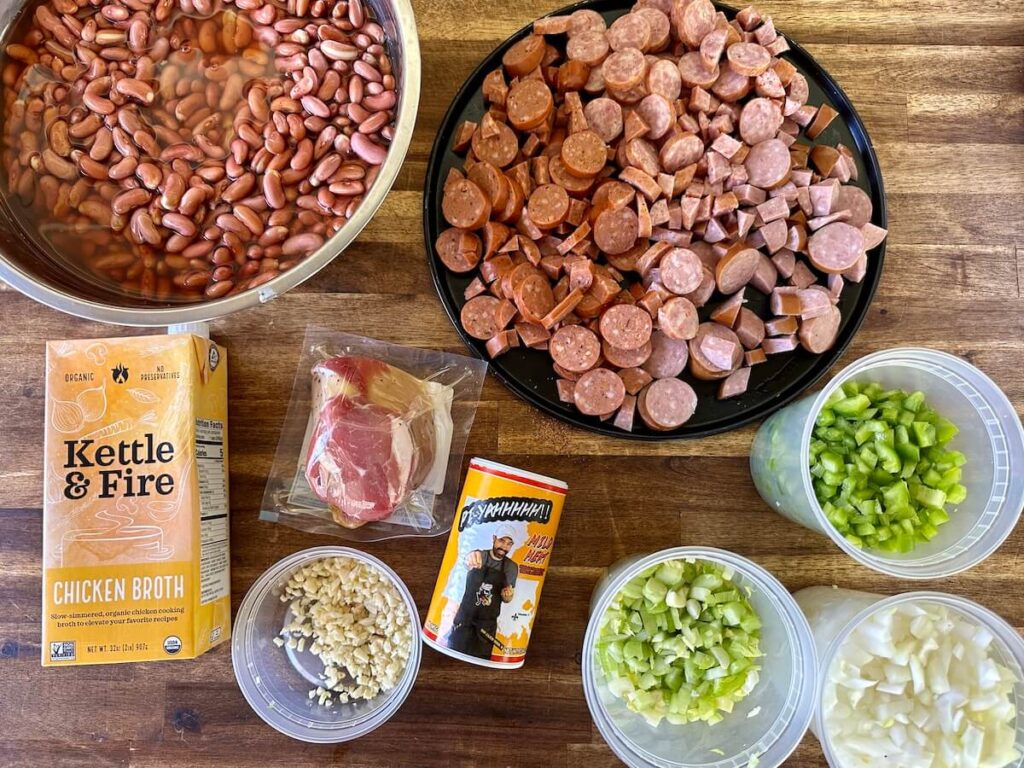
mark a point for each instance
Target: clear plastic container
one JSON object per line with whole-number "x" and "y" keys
{"x": 990, "y": 437}
{"x": 276, "y": 681}
{"x": 768, "y": 724}
{"x": 834, "y": 613}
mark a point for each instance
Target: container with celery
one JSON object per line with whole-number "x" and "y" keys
{"x": 680, "y": 642}
{"x": 881, "y": 469}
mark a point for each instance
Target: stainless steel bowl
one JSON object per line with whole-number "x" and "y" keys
{"x": 25, "y": 265}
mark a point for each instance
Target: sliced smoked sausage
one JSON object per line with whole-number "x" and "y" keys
{"x": 599, "y": 392}
{"x": 465, "y": 205}
{"x": 735, "y": 269}
{"x": 529, "y": 103}
{"x": 575, "y": 348}
{"x": 681, "y": 271}
{"x": 615, "y": 231}
{"x": 768, "y": 163}
{"x": 458, "y": 250}
{"x": 626, "y": 174}
{"x": 668, "y": 356}
{"x": 760, "y": 120}
{"x": 835, "y": 247}
{"x": 626, "y": 326}
{"x": 525, "y": 56}
{"x": 666, "y": 404}
{"x": 818, "y": 334}
{"x": 548, "y": 206}
{"x": 704, "y": 368}
{"x": 479, "y": 317}
{"x": 584, "y": 153}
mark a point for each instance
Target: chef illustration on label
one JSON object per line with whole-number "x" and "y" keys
{"x": 490, "y": 582}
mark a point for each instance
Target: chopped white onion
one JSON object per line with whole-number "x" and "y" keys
{"x": 916, "y": 686}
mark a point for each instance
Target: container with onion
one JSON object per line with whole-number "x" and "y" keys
{"x": 919, "y": 680}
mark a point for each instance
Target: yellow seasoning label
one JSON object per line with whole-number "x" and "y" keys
{"x": 135, "y": 520}
{"x": 494, "y": 566}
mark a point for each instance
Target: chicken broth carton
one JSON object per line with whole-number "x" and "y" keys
{"x": 135, "y": 520}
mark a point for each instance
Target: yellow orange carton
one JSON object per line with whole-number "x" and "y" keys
{"x": 135, "y": 520}
{"x": 488, "y": 589}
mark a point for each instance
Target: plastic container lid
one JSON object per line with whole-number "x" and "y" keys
{"x": 276, "y": 681}
{"x": 768, "y": 724}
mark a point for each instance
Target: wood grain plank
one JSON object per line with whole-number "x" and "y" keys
{"x": 951, "y": 168}
{"x": 960, "y": 68}
{"x": 926, "y": 216}
{"x": 967, "y": 271}
{"x": 31, "y": 753}
{"x": 978, "y": 118}
{"x": 1000, "y": 22}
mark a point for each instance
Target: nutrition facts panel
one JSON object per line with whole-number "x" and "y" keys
{"x": 214, "y": 577}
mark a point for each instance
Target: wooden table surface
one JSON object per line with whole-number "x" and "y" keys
{"x": 940, "y": 86}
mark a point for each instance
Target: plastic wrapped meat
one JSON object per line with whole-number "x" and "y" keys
{"x": 379, "y": 435}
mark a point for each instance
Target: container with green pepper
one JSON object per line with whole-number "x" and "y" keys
{"x": 910, "y": 460}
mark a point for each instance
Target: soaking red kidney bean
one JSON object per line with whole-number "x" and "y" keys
{"x": 190, "y": 149}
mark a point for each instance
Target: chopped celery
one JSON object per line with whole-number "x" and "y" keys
{"x": 881, "y": 468}
{"x": 678, "y": 643}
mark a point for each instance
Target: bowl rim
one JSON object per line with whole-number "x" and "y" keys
{"x": 410, "y": 80}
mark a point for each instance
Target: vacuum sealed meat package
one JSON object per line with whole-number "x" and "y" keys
{"x": 380, "y": 433}
{"x": 373, "y": 440}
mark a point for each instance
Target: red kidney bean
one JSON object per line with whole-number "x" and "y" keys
{"x": 296, "y": 127}
{"x": 219, "y": 289}
{"x": 347, "y": 187}
{"x": 279, "y": 162}
{"x": 173, "y": 189}
{"x": 123, "y": 169}
{"x": 273, "y": 236}
{"x": 136, "y": 89}
{"x": 303, "y": 155}
{"x": 306, "y": 242}
{"x": 88, "y": 167}
{"x": 374, "y": 123}
{"x": 315, "y": 106}
{"x": 367, "y": 150}
{"x": 183, "y": 225}
{"x": 250, "y": 219}
{"x": 149, "y": 174}
{"x": 324, "y": 169}
{"x": 191, "y": 201}
{"x": 248, "y": 269}
{"x": 230, "y": 223}
{"x": 143, "y": 228}
{"x": 276, "y": 143}
{"x": 199, "y": 249}
{"x": 222, "y": 273}
{"x": 222, "y": 255}
{"x": 239, "y": 188}
{"x": 177, "y": 243}
{"x": 273, "y": 189}
{"x": 130, "y": 199}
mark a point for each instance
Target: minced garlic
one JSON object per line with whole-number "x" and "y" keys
{"x": 352, "y": 616}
